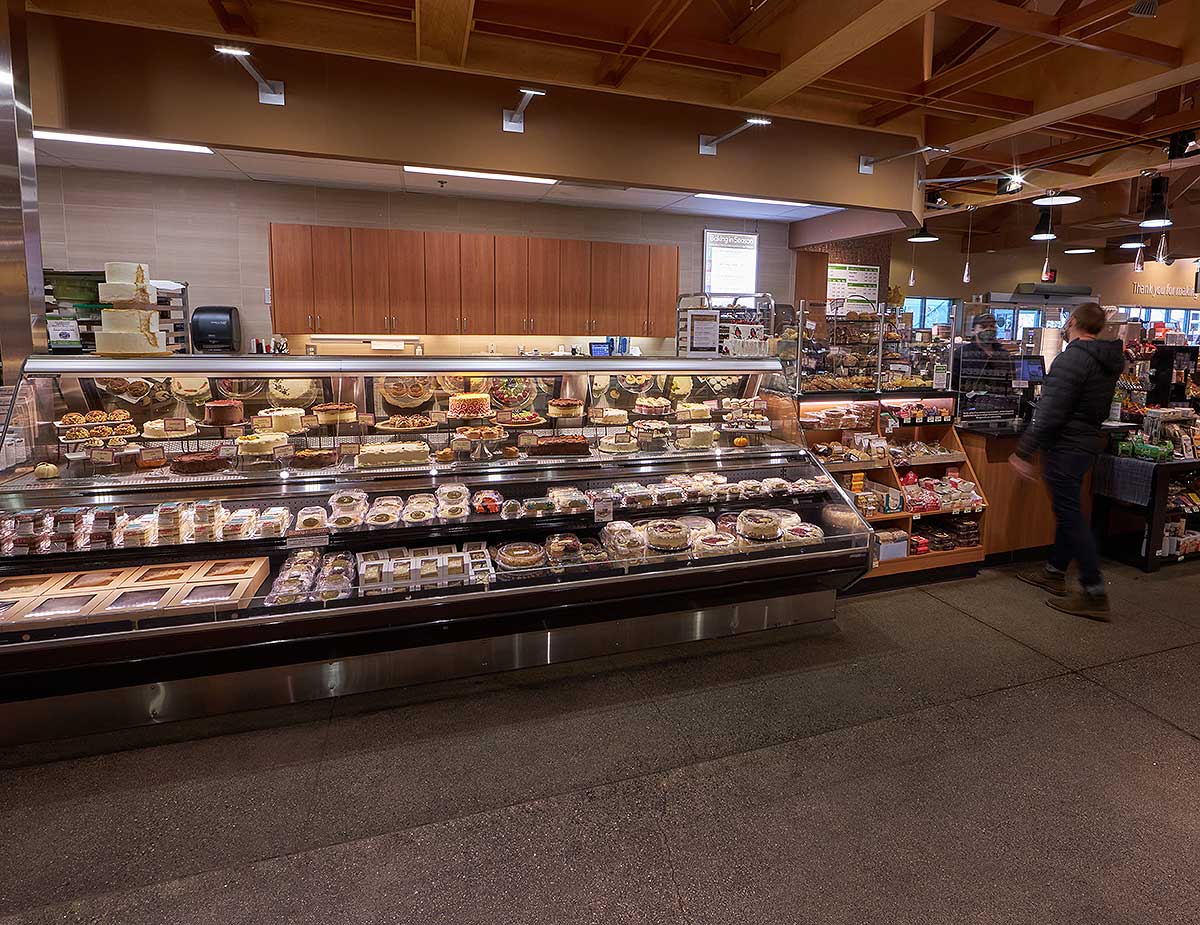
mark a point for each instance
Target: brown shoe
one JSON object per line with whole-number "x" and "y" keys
{"x": 1082, "y": 604}
{"x": 1040, "y": 578}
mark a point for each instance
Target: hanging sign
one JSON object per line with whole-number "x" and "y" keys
{"x": 730, "y": 263}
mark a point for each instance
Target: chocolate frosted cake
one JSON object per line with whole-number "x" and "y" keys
{"x": 194, "y": 463}
{"x": 223, "y": 412}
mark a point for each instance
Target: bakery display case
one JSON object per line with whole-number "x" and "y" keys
{"x": 841, "y": 347}
{"x": 201, "y": 503}
{"x": 916, "y": 359}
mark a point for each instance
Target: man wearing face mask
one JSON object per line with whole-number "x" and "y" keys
{"x": 983, "y": 369}
{"x": 1076, "y": 396}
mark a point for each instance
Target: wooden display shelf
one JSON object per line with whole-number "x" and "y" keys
{"x": 884, "y": 518}
{"x": 963, "y": 556}
{"x": 943, "y": 459}
{"x": 858, "y": 465}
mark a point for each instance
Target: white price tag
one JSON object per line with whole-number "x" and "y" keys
{"x": 603, "y": 511}
{"x": 304, "y": 540}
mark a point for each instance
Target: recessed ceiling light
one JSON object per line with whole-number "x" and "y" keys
{"x": 232, "y": 50}
{"x": 48, "y": 135}
{"x": 1057, "y": 199}
{"x": 761, "y": 202}
{"x": 476, "y": 175}
{"x": 1080, "y": 250}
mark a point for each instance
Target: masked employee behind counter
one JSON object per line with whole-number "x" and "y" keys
{"x": 983, "y": 369}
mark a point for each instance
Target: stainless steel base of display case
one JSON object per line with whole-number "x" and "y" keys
{"x": 62, "y": 717}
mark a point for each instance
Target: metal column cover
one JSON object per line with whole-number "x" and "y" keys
{"x": 22, "y": 290}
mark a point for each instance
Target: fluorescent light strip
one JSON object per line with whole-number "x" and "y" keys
{"x": 119, "y": 142}
{"x": 761, "y": 202}
{"x": 1080, "y": 250}
{"x": 474, "y": 175}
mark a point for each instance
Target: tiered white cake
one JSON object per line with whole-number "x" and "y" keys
{"x": 128, "y": 328}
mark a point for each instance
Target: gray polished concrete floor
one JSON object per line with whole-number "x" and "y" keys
{"x": 957, "y": 753}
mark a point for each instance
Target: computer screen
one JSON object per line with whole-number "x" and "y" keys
{"x": 1030, "y": 369}
{"x": 601, "y": 349}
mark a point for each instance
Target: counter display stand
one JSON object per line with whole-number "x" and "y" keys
{"x": 1157, "y": 496}
{"x": 877, "y": 449}
{"x": 588, "y": 506}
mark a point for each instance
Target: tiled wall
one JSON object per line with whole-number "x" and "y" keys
{"x": 212, "y": 233}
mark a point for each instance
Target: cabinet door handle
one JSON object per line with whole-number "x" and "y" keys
{"x": 531, "y": 324}
{"x": 310, "y": 324}
{"x": 524, "y": 321}
{"x": 318, "y": 322}
{"x": 464, "y": 324}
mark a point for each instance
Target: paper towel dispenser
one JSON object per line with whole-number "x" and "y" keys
{"x": 216, "y": 329}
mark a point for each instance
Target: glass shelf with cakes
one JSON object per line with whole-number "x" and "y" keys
{"x": 431, "y": 477}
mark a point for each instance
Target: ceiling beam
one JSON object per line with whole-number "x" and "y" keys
{"x": 851, "y": 35}
{"x": 237, "y": 22}
{"x": 443, "y": 30}
{"x": 726, "y": 10}
{"x": 970, "y": 102}
{"x": 1051, "y": 29}
{"x": 655, "y": 32}
{"x": 759, "y": 18}
{"x": 1181, "y": 183}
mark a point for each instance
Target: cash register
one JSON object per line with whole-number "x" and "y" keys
{"x": 1029, "y": 372}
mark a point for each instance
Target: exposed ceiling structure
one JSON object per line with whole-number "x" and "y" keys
{"x": 1071, "y": 92}
{"x": 317, "y": 171}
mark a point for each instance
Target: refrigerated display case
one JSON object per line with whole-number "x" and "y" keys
{"x": 203, "y": 514}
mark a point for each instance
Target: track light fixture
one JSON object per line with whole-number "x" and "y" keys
{"x": 708, "y": 143}
{"x": 513, "y": 120}
{"x": 270, "y": 92}
{"x": 867, "y": 164}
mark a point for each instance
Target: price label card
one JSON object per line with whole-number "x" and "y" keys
{"x": 366, "y": 419}
{"x": 175, "y": 425}
{"x": 260, "y": 424}
{"x": 524, "y": 440}
{"x": 227, "y": 451}
{"x": 711, "y": 402}
{"x": 309, "y": 420}
{"x": 759, "y": 404}
{"x": 303, "y": 540}
{"x": 625, "y": 437}
{"x": 438, "y": 417}
{"x": 900, "y": 368}
{"x": 460, "y": 445}
{"x": 503, "y": 417}
{"x": 603, "y": 511}
{"x": 348, "y": 449}
{"x": 235, "y": 431}
{"x": 151, "y": 454}
{"x": 287, "y": 451}
{"x": 101, "y": 456}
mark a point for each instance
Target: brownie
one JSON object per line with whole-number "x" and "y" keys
{"x": 565, "y": 445}
{"x": 192, "y": 463}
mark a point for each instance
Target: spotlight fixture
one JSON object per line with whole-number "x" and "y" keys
{"x": 513, "y": 120}
{"x": 1080, "y": 250}
{"x": 1057, "y": 198}
{"x": 1156, "y": 210}
{"x": 866, "y": 163}
{"x": 1010, "y": 184}
{"x": 923, "y": 236}
{"x": 1043, "y": 231}
{"x": 270, "y": 92}
{"x": 708, "y": 143}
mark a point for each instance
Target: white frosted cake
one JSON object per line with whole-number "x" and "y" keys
{"x": 125, "y": 272}
{"x": 392, "y": 454}
{"x": 283, "y": 420}
{"x": 130, "y": 331}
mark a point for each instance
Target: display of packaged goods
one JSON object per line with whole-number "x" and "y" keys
{"x": 568, "y": 500}
{"x": 312, "y": 518}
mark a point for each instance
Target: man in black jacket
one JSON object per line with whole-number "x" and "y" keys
{"x": 1076, "y": 398}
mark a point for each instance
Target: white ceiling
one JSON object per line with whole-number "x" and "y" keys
{"x": 317, "y": 171}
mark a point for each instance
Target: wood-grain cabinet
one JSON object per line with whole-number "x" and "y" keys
{"x": 328, "y": 280}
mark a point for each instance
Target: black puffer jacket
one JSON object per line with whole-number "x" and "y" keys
{"x": 1075, "y": 398}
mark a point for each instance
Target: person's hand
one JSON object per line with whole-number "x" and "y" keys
{"x": 1023, "y": 467}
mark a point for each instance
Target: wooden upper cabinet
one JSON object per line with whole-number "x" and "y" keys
{"x": 333, "y": 302}
{"x": 633, "y": 286}
{"x": 512, "y": 285}
{"x": 574, "y": 287}
{"x": 443, "y": 289}
{"x": 606, "y": 288}
{"x": 369, "y": 275}
{"x": 664, "y": 289}
{"x": 544, "y": 286}
{"x": 478, "y": 278}
{"x": 291, "y": 278}
{"x": 406, "y": 282}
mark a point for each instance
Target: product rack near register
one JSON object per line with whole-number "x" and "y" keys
{"x": 183, "y": 512}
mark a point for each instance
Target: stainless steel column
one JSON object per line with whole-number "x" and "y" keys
{"x": 22, "y": 290}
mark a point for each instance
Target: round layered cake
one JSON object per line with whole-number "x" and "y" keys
{"x": 288, "y": 392}
{"x": 336, "y": 412}
{"x": 283, "y": 420}
{"x": 651, "y": 404}
{"x": 803, "y": 535}
{"x": 667, "y": 535}
{"x": 520, "y": 555}
{"x": 224, "y": 412}
{"x": 470, "y": 405}
{"x": 714, "y": 544}
{"x": 190, "y": 389}
{"x": 618, "y": 443}
{"x": 195, "y": 463}
{"x": 259, "y": 444}
{"x": 564, "y": 408}
{"x": 758, "y": 525}
{"x": 157, "y": 430}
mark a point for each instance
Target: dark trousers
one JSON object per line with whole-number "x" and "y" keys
{"x": 1064, "y": 471}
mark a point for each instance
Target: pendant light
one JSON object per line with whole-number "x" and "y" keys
{"x": 923, "y": 235}
{"x": 1156, "y": 215}
{"x": 967, "y": 265}
{"x": 912, "y": 273}
{"x": 1043, "y": 231}
{"x": 1161, "y": 255}
{"x": 1057, "y": 198}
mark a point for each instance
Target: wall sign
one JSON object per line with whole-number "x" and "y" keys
{"x": 847, "y": 281}
{"x": 1179, "y": 292}
{"x": 703, "y": 332}
{"x": 730, "y": 263}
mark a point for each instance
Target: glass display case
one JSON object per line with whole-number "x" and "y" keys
{"x": 841, "y": 347}
{"x": 199, "y": 503}
{"x": 916, "y": 358}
